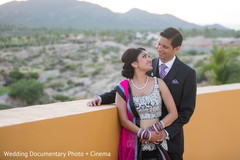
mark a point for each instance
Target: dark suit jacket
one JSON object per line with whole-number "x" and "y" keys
{"x": 181, "y": 81}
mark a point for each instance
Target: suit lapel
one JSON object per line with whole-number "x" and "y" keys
{"x": 156, "y": 67}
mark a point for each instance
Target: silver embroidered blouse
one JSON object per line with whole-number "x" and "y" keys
{"x": 150, "y": 107}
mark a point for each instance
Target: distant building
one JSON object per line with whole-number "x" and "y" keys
{"x": 147, "y": 36}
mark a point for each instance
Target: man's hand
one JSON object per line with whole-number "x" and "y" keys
{"x": 95, "y": 102}
{"x": 155, "y": 138}
{"x": 163, "y": 135}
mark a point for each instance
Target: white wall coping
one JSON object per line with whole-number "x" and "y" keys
{"x": 54, "y": 110}
{"x": 218, "y": 88}
{"x": 47, "y": 111}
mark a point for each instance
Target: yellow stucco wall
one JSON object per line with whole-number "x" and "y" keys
{"x": 214, "y": 130}
{"x": 93, "y": 133}
{"x": 212, "y": 133}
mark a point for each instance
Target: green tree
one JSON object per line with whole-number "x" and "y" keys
{"x": 223, "y": 66}
{"x": 28, "y": 90}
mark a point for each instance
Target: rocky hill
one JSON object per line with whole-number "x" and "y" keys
{"x": 84, "y": 15}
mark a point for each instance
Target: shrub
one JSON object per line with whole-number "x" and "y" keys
{"x": 4, "y": 107}
{"x": 51, "y": 48}
{"x": 16, "y": 75}
{"x": 61, "y": 98}
{"x": 109, "y": 49}
{"x": 33, "y": 75}
{"x": 82, "y": 74}
{"x": 3, "y": 90}
{"x": 97, "y": 71}
{"x": 28, "y": 90}
{"x": 95, "y": 59}
{"x": 43, "y": 50}
{"x": 16, "y": 49}
{"x": 70, "y": 82}
{"x": 73, "y": 84}
{"x": 55, "y": 86}
{"x": 69, "y": 68}
{"x": 192, "y": 52}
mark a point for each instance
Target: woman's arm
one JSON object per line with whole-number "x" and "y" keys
{"x": 169, "y": 103}
{"x": 122, "y": 112}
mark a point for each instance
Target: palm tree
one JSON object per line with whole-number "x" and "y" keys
{"x": 223, "y": 66}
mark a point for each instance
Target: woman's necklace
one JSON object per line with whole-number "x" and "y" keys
{"x": 141, "y": 87}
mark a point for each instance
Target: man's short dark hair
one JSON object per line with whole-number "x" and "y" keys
{"x": 174, "y": 35}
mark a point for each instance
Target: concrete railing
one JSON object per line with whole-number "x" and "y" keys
{"x": 71, "y": 130}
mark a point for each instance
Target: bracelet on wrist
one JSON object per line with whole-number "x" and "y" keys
{"x": 144, "y": 134}
{"x": 158, "y": 126}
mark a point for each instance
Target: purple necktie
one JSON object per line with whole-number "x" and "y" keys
{"x": 162, "y": 70}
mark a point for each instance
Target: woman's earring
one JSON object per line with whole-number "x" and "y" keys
{"x": 136, "y": 66}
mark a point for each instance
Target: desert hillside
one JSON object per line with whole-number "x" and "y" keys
{"x": 83, "y": 66}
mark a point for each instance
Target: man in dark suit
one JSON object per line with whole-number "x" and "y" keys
{"x": 181, "y": 81}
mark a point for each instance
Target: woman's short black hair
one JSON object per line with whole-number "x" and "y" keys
{"x": 128, "y": 57}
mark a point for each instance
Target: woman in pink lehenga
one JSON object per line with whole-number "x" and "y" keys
{"x": 139, "y": 102}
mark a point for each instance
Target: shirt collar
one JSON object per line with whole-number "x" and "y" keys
{"x": 169, "y": 63}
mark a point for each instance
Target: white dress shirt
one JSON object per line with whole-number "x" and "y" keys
{"x": 168, "y": 64}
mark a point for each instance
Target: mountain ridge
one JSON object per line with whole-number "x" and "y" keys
{"x": 85, "y": 15}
